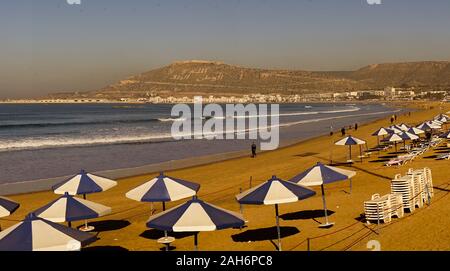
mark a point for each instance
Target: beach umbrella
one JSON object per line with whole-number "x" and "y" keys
{"x": 163, "y": 188}
{"x": 194, "y": 216}
{"x": 68, "y": 208}
{"x": 394, "y": 138}
{"x": 321, "y": 174}
{"x": 380, "y": 132}
{"x": 349, "y": 141}
{"x": 445, "y": 135}
{"x": 84, "y": 183}
{"x": 442, "y": 118}
{"x": 415, "y": 131}
{"x": 394, "y": 129}
{"x": 7, "y": 207}
{"x": 35, "y": 233}
{"x": 426, "y": 126}
{"x": 273, "y": 192}
{"x": 407, "y": 136}
{"x": 403, "y": 127}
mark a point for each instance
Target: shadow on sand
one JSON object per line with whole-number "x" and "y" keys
{"x": 308, "y": 214}
{"x": 154, "y": 234}
{"x": 264, "y": 234}
{"x": 109, "y": 225}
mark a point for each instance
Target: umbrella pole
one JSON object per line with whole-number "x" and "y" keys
{"x": 196, "y": 241}
{"x": 324, "y": 204}
{"x": 70, "y": 224}
{"x": 350, "y": 150}
{"x": 327, "y": 224}
{"x": 84, "y": 196}
{"x": 278, "y": 227}
{"x": 164, "y": 206}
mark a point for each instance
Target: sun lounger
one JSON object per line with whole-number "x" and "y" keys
{"x": 404, "y": 186}
{"x": 445, "y": 156}
{"x": 383, "y": 208}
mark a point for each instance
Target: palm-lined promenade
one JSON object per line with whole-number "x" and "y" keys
{"x": 126, "y": 227}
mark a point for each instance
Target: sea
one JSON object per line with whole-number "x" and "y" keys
{"x": 40, "y": 141}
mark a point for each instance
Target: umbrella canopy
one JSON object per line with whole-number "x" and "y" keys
{"x": 428, "y": 126}
{"x": 408, "y": 136}
{"x": 7, "y": 206}
{"x": 415, "y": 131}
{"x": 69, "y": 208}
{"x": 275, "y": 191}
{"x": 393, "y": 138}
{"x": 445, "y": 135}
{"x": 350, "y": 140}
{"x": 193, "y": 216}
{"x": 403, "y": 127}
{"x": 442, "y": 118}
{"x": 380, "y": 132}
{"x": 163, "y": 188}
{"x": 394, "y": 129}
{"x": 322, "y": 174}
{"x": 84, "y": 183}
{"x": 35, "y": 233}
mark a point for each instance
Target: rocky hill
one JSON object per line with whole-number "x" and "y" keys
{"x": 187, "y": 78}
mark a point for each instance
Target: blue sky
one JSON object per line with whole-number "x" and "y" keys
{"x": 49, "y": 45}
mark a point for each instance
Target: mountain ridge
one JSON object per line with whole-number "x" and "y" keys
{"x": 193, "y": 77}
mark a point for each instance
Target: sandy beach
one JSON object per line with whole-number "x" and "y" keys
{"x": 424, "y": 229}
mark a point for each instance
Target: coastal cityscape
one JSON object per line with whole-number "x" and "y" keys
{"x": 387, "y": 94}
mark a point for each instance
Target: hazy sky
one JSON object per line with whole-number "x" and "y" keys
{"x": 49, "y": 45}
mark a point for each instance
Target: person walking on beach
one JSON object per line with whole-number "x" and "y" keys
{"x": 331, "y": 130}
{"x": 395, "y": 117}
{"x": 392, "y": 119}
{"x": 253, "y": 150}
{"x": 356, "y": 126}
{"x": 343, "y": 131}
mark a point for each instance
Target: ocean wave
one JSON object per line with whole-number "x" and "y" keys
{"x": 74, "y": 123}
{"x": 42, "y": 143}
{"x": 352, "y": 109}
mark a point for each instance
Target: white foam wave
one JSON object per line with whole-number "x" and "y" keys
{"x": 39, "y": 143}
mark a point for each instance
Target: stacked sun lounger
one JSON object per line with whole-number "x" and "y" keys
{"x": 405, "y": 186}
{"x": 424, "y": 174}
{"x": 383, "y": 208}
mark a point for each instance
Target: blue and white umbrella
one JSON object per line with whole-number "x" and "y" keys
{"x": 442, "y": 118}
{"x": 394, "y": 129}
{"x": 163, "y": 188}
{"x": 275, "y": 191}
{"x": 380, "y": 132}
{"x": 445, "y": 135}
{"x": 68, "y": 208}
{"x": 415, "y": 131}
{"x": 37, "y": 234}
{"x": 428, "y": 126}
{"x": 84, "y": 183}
{"x": 403, "y": 127}
{"x": 349, "y": 141}
{"x": 194, "y": 216}
{"x": 321, "y": 174}
{"x": 7, "y": 207}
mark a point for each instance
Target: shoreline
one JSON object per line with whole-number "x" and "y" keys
{"x": 41, "y": 185}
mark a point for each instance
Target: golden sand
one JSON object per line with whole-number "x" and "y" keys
{"x": 424, "y": 229}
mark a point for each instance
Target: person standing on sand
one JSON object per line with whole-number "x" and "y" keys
{"x": 392, "y": 119}
{"x": 253, "y": 150}
{"x": 343, "y": 131}
{"x": 356, "y": 126}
